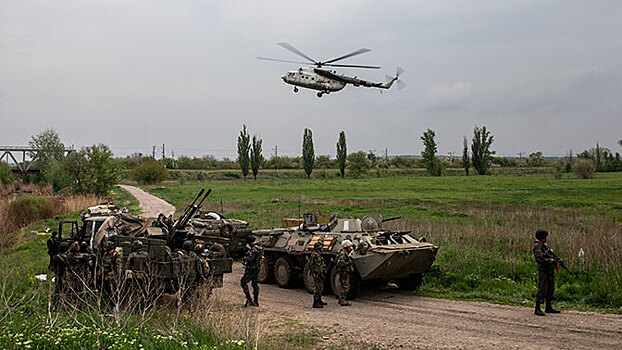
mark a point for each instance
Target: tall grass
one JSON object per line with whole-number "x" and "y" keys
{"x": 21, "y": 205}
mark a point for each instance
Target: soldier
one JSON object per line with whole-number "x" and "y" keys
{"x": 110, "y": 268}
{"x": 77, "y": 270}
{"x": 345, "y": 268}
{"x": 189, "y": 269}
{"x": 52, "y": 243}
{"x": 546, "y": 273}
{"x": 318, "y": 271}
{"x": 136, "y": 269}
{"x": 252, "y": 262}
{"x": 59, "y": 267}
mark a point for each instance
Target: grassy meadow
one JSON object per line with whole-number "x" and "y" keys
{"x": 484, "y": 225}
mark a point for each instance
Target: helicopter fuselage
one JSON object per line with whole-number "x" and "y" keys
{"x": 309, "y": 78}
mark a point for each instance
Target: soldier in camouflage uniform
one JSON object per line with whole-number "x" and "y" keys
{"x": 546, "y": 273}
{"x": 110, "y": 268}
{"x": 317, "y": 265}
{"x": 59, "y": 267}
{"x": 136, "y": 271}
{"x": 252, "y": 262}
{"x": 345, "y": 268}
{"x": 189, "y": 269}
{"x": 77, "y": 271}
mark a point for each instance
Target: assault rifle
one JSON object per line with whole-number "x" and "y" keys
{"x": 559, "y": 262}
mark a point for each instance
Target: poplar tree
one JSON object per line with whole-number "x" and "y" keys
{"x": 308, "y": 153}
{"x": 256, "y": 156}
{"x": 243, "y": 151}
{"x": 342, "y": 153}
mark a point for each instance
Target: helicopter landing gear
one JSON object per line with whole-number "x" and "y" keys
{"x": 295, "y": 89}
{"x": 319, "y": 94}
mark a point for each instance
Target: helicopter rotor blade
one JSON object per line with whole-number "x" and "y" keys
{"x": 350, "y": 66}
{"x": 400, "y": 84}
{"x": 354, "y": 53}
{"x": 399, "y": 71}
{"x": 278, "y": 60}
{"x": 296, "y": 51}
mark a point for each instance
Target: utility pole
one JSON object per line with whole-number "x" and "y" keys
{"x": 520, "y": 156}
{"x": 153, "y": 152}
{"x": 276, "y": 157}
{"x": 173, "y": 158}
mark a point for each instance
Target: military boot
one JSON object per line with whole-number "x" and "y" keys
{"x": 249, "y": 301}
{"x": 255, "y": 299}
{"x": 549, "y": 309}
{"x": 343, "y": 302}
{"x": 322, "y": 302}
{"x": 538, "y": 312}
{"x": 316, "y": 304}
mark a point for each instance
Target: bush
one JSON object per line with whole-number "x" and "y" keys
{"x": 28, "y": 208}
{"x": 584, "y": 168}
{"x": 6, "y": 176}
{"x": 358, "y": 164}
{"x": 150, "y": 172}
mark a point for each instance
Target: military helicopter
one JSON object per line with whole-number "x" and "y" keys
{"x": 316, "y": 77}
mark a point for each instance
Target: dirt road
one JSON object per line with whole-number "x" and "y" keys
{"x": 150, "y": 204}
{"x": 391, "y": 320}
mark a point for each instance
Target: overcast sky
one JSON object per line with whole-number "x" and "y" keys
{"x": 540, "y": 75}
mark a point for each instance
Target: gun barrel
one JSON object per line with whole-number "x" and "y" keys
{"x": 391, "y": 219}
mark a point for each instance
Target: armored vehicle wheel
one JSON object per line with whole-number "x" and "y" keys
{"x": 411, "y": 282}
{"x": 284, "y": 272}
{"x": 266, "y": 271}
{"x": 308, "y": 281}
{"x": 335, "y": 284}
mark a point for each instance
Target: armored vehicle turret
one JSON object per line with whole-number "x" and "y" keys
{"x": 379, "y": 254}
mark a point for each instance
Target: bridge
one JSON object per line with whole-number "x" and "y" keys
{"x": 27, "y": 156}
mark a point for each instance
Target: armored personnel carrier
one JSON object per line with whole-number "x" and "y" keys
{"x": 160, "y": 237}
{"x": 379, "y": 254}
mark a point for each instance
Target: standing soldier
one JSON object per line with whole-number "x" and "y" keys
{"x": 546, "y": 273}
{"x": 252, "y": 262}
{"x": 136, "y": 268}
{"x": 77, "y": 271}
{"x": 317, "y": 266}
{"x": 345, "y": 268}
{"x": 189, "y": 269}
{"x": 59, "y": 267}
{"x": 52, "y": 243}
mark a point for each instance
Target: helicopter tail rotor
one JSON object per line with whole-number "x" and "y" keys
{"x": 396, "y": 79}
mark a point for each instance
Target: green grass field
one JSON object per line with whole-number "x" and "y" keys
{"x": 484, "y": 225}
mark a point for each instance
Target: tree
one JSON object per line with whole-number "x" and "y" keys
{"x": 620, "y": 142}
{"x": 244, "y": 145}
{"x": 256, "y": 157}
{"x": 308, "y": 154}
{"x": 51, "y": 151}
{"x": 105, "y": 171}
{"x": 535, "y": 158}
{"x": 91, "y": 170}
{"x": 342, "y": 153}
{"x": 433, "y": 165}
{"x": 6, "y": 176}
{"x": 150, "y": 171}
{"x": 358, "y": 163}
{"x": 481, "y": 154}
{"x": 466, "y": 161}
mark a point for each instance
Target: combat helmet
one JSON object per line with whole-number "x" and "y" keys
{"x": 318, "y": 245}
{"x": 541, "y": 234}
{"x": 187, "y": 246}
{"x": 137, "y": 245}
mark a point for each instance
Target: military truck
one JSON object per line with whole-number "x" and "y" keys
{"x": 159, "y": 238}
{"x": 215, "y": 227}
{"x": 380, "y": 255}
